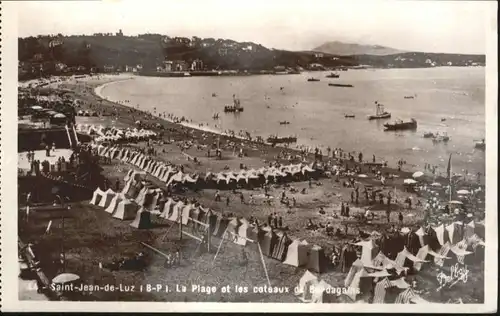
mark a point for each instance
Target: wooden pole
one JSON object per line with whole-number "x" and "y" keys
{"x": 154, "y": 249}
{"x": 263, "y": 264}
{"x": 220, "y": 245}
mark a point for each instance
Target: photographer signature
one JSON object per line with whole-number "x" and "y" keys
{"x": 457, "y": 274}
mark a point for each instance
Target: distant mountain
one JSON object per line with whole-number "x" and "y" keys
{"x": 347, "y": 49}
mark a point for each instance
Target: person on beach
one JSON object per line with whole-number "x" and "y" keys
{"x": 275, "y": 220}
{"x": 117, "y": 185}
{"x": 342, "y": 209}
{"x": 251, "y": 201}
{"x": 217, "y": 196}
{"x": 352, "y": 196}
{"x": 294, "y": 201}
{"x": 280, "y": 222}
{"x": 373, "y": 158}
{"x": 242, "y": 198}
{"x": 347, "y": 210}
{"x": 400, "y": 217}
{"x": 270, "y": 219}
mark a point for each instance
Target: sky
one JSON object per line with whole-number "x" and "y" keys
{"x": 430, "y": 26}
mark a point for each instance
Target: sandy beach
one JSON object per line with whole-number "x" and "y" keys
{"x": 320, "y": 203}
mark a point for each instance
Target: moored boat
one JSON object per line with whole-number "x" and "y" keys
{"x": 284, "y": 122}
{"x": 333, "y": 75}
{"x": 343, "y": 85}
{"x": 235, "y": 108}
{"x": 429, "y": 135}
{"x": 349, "y": 115}
{"x": 312, "y": 79}
{"x": 380, "y": 113}
{"x": 401, "y": 125}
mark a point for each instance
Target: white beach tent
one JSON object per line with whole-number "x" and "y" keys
{"x": 126, "y": 210}
{"x": 297, "y": 254}
{"x": 242, "y": 232}
{"x": 369, "y": 251}
{"x": 320, "y": 293}
{"x": 114, "y": 203}
{"x": 186, "y": 213}
{"x": 97, "y": 196}
{"x": 176, "y": 212}
{"x": 106, "y": 199}
{"x": 167, "y": 208}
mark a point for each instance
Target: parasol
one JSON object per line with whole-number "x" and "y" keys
{"x": 418, "y": 174}
{"x": 65, "y": 278}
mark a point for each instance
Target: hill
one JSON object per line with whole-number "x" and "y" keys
{"x": 346, "y": 49}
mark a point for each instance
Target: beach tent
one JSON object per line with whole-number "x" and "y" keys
{"x": 220, "y": 225}
{"x": 405, "y": 254}
{"x": 97, "y": 196}
{"x": 302, "y": 286}
{"x": 460, "y": 250}
{"x": 380, "y": 291}
{"x": 442, "y": 254}
{"x": 107, "y": 197}
{"x": 142, "y": 219}
{"x": 176, "y": 214}
{"x": 256, "y": 233}
{"x": 232, "y": 229}
{"x": 126, "y": 210}
{"x": 297, "y": 254}
{"x": 422, "y": 236}
{"x": 186, "y": 213}
{"x": 114, "y": 203}
{"x": 176, "y": 178}
{"x": 151, "y": 200}
{"x": 280, "y": 250}
{"x": 268, "y": 243}
{"x": 470, "y": 229}
{"x": 243, "y": 232}
{"x": 453, "y": 233}
{"x": 440, "y": 234}
{"x": 142, "y": 194}
{"x": 167, "y": 208}
{"x": 355, "y": 267}
{"x": 129, "y": 174}
{"x": 368, "y": 251}
{"x": 355, "y": 283}
{"x": 317, "y": 260}
{"x": 405, "y": 297}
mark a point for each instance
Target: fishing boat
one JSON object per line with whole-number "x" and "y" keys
{"x": 333, "y": 75}
{"x": 312, "y": 79}
{"x": 342, "y": 85}
{"x": 235, "y": 108}
{"x": 480, "y": 145}
{"x": 409, "y": 97}
{"x": 274, "y": 139}
{"x": 349, "y": 115}
{"x": 284, "y": 122}
{"x": 380, "y": 113}
{"x": 401, "y": 125}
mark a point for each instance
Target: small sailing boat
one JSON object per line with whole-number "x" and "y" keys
{"x": 313, "y": 79}
{"x": 380, "y": 113}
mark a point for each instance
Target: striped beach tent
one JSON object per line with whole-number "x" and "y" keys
{"x": 380, "y": 290}
{"x": 405, "y": 297}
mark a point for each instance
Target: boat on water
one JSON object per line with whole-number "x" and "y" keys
{"x": 312, "y": 79}
{"x": 235, "y": 108}
{"x": 333, "y": 75}
{"x": 342, "y": 85}
{"x": 401, "y": 125}
{"x": 274, "y": 139}
{"x": 284, "y": 122}
{"x": 380, "y": 112}
{"x": 429, "y": 135}
{"x": 480, "y": 145}
{"x": 441, "y": 138}
{"x": 349, "y": 115}
{"x": 409, "y": 97}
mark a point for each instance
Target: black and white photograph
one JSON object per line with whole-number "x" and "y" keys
{"x": 302, "y": 153}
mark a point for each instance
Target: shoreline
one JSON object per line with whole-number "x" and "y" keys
{"x": 295, "y": 147}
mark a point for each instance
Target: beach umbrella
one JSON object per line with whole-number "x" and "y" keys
{"x": 418, "y": 174}
{"x": 409, "y": 181}
{"x": 462, "y": 192}
{"x": 436, "y": 184}
{"x": 65, "y": 278}
{"x": 455, "y": 202}
{"x": 36, "y": 107}
{"x": 469, "y": 215}
{"x": 362, "y": 176}
{"x": 59, "y": 115}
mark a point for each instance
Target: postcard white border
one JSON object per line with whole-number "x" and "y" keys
{"x": 8, "y": 219}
